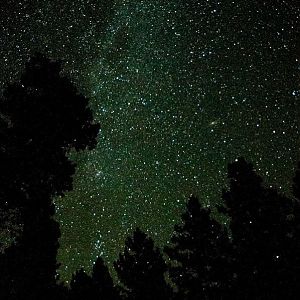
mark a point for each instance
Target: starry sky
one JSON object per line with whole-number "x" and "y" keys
{"x": 181, "y": 88}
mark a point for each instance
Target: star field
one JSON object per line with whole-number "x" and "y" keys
{"x": 180, "y": 88}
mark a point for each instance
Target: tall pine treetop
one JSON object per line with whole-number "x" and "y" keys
{"x": 200, "y": 255}
{"x": 141, "y": 269}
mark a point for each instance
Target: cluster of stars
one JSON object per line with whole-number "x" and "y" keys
{"x": 181, "y": 88}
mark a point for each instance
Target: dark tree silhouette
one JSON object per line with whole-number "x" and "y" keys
{"x": 294, "y": 237}
{"x": 81, "y": 286}
{"x": 263, "y": 233}
{"x": 97, "y": 286}
{"x": 42, "y": 119}
{"x": 102, "y": 281}
{"x": 141, "y": 269}
{"x": 200, "y": 255}
{"x": 296, "y": 185}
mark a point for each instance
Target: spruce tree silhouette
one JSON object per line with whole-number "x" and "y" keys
{"x": 141, "y": 269}
{"x": 200, "y": 255}
{"x": 42, "y": 119}
{"x": 102, "y": 281}
{"x": 81, "y": 287}
{"x": 296, "y": 185}
{"x": 294, "y": 238}
{"x": 97, "y": 286}
{"x": 262, "y": 226}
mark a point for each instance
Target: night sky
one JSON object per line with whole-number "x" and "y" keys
{"x": 181, "y": 88}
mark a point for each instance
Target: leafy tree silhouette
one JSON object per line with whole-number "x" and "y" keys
{"x": 42, "y": 118}
{"x": 200, "y": 255}
{"x": 141, "y": 269}
{"x": 263, "y": 234}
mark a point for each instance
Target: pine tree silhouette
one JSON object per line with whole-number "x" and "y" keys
{"x": 81, "y": 287}
{"x": 293, "y": 239}
{"x": 97, "y": 286}
{"x": 42, "y": 118}
{"x": 141, "y": 269}
{"x": 296, "y": 185}
{"x": 102, "y": 281}
{"x": 200, "y": 255}
{"x": 262, "y": 226}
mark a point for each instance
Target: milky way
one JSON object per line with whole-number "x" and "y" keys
{"x": 180, "y": 88}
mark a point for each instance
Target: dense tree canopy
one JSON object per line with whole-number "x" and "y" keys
{"x": 42, "y": 118}
{"x": 200, "y": 255}
{"x": 103, "y": 282}
{"x": 141, "y": 269}
{"x": 265, "y": 237}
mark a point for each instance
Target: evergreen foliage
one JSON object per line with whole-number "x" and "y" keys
{"x": 81, "y": 286}
{"x": 200, "y": 254}
{"x": 42, "y": 118}
{"x": 141, "y": 269}
{"x": 265, "y": 237}
{"x": 102, "y": 281}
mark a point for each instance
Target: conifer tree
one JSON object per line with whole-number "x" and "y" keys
{"x": 262, "y": 226}
{"x": 81, "y": 286}
{"x": 141, "y": 269}
{"x": 102, "y": 281}
{"x": 95, "y": 287}
{"x": 43, "y": 117}
{"x": 200, "y": 255}
{"x": 293, "y": 238}
{"x": 296, "y": 181}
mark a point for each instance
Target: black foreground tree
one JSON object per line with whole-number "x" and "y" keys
{"x": 265, "y": 236}
{"x": 141, "y": 269}
{"x": 296, "y": 183}
{"x": 200, "y": 255}
{"x": 42, "y": 118}
{"x": 294, "y": 237}
{"x": 81, "y": 286}
{"x": 97, "y": 286}
{"x": 102, "y": 281}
